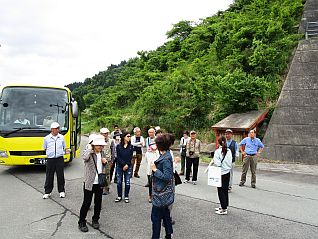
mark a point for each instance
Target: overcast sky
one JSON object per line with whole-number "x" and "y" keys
{"x": 56, "y": 42}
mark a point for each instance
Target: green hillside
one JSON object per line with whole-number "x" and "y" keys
{"x": 231, "y": 62}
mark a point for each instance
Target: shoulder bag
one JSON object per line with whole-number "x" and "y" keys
{"x": 102, "y": 182}
{"x": 183, "y": 149}
{"x": 177, "y": 179}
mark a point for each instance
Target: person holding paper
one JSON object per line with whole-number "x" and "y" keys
{"x": 223, "y": 159}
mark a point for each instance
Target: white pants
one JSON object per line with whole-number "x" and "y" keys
{"x": 231, "y": 175}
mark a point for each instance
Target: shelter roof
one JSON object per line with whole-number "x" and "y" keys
{"x": 241, "y": 121}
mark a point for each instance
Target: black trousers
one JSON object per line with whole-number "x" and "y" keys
{"x": 150, "y": 185}
{"x": 223, "y": 192}
{"x": 189, "y": 162}
{"x": 54, "y": 165}
{"x": 88, "y": 195}
{"x": 159, "y": 214}
{"x": 183, "y": 160}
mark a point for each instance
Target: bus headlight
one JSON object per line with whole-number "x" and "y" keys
{"x": 3, "y": 154}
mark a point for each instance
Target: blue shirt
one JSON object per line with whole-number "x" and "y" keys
{"x": 251, "y": 145}
{"x": 54, "y": 146}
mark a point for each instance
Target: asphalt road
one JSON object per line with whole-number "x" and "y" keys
{"x": 284, "y": 205}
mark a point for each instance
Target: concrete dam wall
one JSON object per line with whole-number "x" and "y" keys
{"x": 292, "y": 134}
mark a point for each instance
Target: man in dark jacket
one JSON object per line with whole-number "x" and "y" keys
{"x": 232, "y": 145}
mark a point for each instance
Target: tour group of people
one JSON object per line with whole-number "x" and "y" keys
{"x": 118, "y": 154}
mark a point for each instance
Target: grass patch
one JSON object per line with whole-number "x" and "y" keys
{"x": 205, "y": 159}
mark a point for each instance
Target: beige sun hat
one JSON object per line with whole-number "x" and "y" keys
{"x": 104, "y": 131}
{"x": 99, "y": 140}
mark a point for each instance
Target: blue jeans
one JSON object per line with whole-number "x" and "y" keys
{"x": 158, "y": 214}
{"x": 127, "y": 175}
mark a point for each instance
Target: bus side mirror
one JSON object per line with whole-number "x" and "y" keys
{"x": 5, "y": 104}
{"x": 74, "y": 109}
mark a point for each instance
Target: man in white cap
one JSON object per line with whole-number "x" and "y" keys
{"x": 193, "y": 150}
{"x": 55, "y": 147}
{"x": 105, "y": 132}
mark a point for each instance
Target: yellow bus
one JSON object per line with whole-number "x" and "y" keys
{"x": 26, "y": 114}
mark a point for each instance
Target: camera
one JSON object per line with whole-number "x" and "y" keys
{"x": 191, "y": 153}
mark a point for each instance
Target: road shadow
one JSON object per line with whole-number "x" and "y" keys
{"x": 289, "y": 176}
{"x": 29, "y": 169}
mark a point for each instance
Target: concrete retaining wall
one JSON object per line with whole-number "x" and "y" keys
{"x": 292, "y": 134}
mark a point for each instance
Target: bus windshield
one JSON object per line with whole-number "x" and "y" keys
{"x": 33, "y": 109}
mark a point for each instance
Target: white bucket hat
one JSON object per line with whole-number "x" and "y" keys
{"x": 91, "y": 137}
{"x": 99, "y": 140}
{"x": 55, "y": 125}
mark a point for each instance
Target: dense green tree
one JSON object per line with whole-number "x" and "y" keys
{"x": 180, "y": 30}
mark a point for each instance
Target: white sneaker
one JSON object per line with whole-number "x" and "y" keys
{"x": 186, "y": 181}
{"x": 62, "y": 194}
{"x": 194, "y": 182}
{"x": 46, "y": 196}
{"x": 221, "y": 212}
{"x": 218, "y": 208}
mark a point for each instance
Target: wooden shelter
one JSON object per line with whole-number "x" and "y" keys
{"x": 240, "y": 124}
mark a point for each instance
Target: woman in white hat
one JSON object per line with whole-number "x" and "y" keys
{"x": 94, "y": 163}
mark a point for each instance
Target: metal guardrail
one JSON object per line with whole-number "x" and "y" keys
{"x": 311, "y": 29}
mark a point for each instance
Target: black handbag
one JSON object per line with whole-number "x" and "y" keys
{"x": 102, "y": 182}
{"x": 183, "y": 152}
{"x": 183, "y": 149}
{"x": 177, "y": 179}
